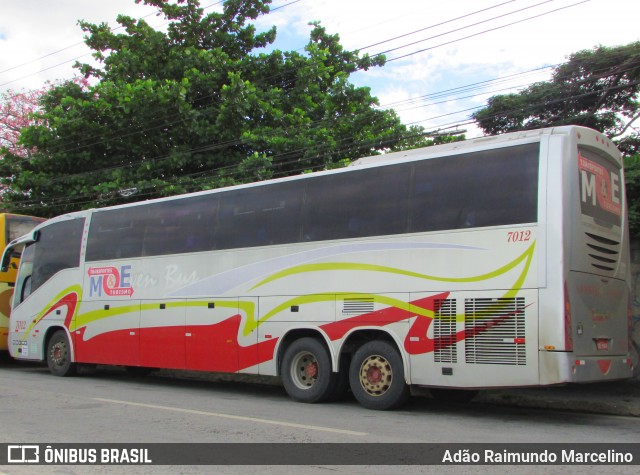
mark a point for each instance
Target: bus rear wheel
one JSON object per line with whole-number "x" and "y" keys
{"x": 59, "y": 355}
{"x": 306, "y": 371}
{"x": 376, "y": 376}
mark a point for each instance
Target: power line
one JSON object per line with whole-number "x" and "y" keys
{"x": 89, "y": 54}
{"x": 436, "y": 25}
{"x": 155, "y": 13}
{"x": 484, "y": 31}
{"x": 311, "y": 126}
{"x": 275, "y": 77}
{"x": 120, "y": 134}
{"x": 466, "y": 87}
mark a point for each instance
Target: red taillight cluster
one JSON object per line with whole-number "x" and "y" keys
{"x": 568, "y": 328}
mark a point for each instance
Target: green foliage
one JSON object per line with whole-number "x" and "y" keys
{"x": 203, "y": 105}
{"x": 632, "y": 182}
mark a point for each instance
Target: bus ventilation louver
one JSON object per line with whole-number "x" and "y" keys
{"x": 603, "y": 252}
{"x": 495, "y": 331}
{"x": 444, "y": 332}
{"x": 358, "y": 306}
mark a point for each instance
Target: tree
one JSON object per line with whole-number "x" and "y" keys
{"x": 16, "y": 111}
{"x": 201, "y": 106}
{"x": 595, "y": 88}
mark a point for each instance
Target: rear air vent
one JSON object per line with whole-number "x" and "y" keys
{"x": 495, "y": 331}
{"x": 603, "y": 252}
{"x": 444, "y": 331}
{"x": 357, "y": 306}
{"x": 603, "y": 240}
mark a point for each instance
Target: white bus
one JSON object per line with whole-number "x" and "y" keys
{"x": 495, "y": 262}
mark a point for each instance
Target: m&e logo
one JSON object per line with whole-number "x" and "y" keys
{"x": 600, "y": 190}
{"x": 110, "y": 281}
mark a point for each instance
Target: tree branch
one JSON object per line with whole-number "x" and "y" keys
{"x": 633, "y": 119}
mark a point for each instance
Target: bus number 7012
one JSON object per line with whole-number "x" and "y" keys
{"x": 518, "y": 236}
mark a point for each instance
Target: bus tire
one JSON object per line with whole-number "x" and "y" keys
{"x": 376, "y": 376}
{"x": 453, "y": 395}
{"x": 59, "y": 355}
{"x": 306, "y": 371}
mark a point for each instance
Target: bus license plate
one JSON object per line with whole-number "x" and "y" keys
{"x": 602, "y": 344}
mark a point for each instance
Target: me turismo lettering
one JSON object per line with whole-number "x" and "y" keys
{"x": 110, "y": 281}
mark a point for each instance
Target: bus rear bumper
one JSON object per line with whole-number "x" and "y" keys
{"x": 565, "y": 367}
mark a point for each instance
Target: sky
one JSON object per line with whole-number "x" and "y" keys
{"x": 444, "y": 58}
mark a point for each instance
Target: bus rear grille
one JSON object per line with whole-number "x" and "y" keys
{"x": 444, "y": 331}
{"x": 357, "y": 306}
{"x": 603, "y": 252}
{"x": 495, "y": 331}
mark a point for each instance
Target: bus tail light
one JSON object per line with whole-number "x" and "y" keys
{"x": 568, "y": 329}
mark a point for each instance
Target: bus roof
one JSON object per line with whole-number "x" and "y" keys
{"x": 460, "y": 147}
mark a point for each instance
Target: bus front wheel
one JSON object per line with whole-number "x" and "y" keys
{"x": 59, "y": 355}
{"x": 376, "y": 376}
{"x": 306, "y": 371}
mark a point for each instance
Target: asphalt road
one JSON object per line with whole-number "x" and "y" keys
{"x": 110, "y": 406}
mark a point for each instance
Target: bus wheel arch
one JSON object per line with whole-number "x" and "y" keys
{"x": 59, "y": 353}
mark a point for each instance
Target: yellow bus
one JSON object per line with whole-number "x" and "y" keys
{"x": 12, "y": 226}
